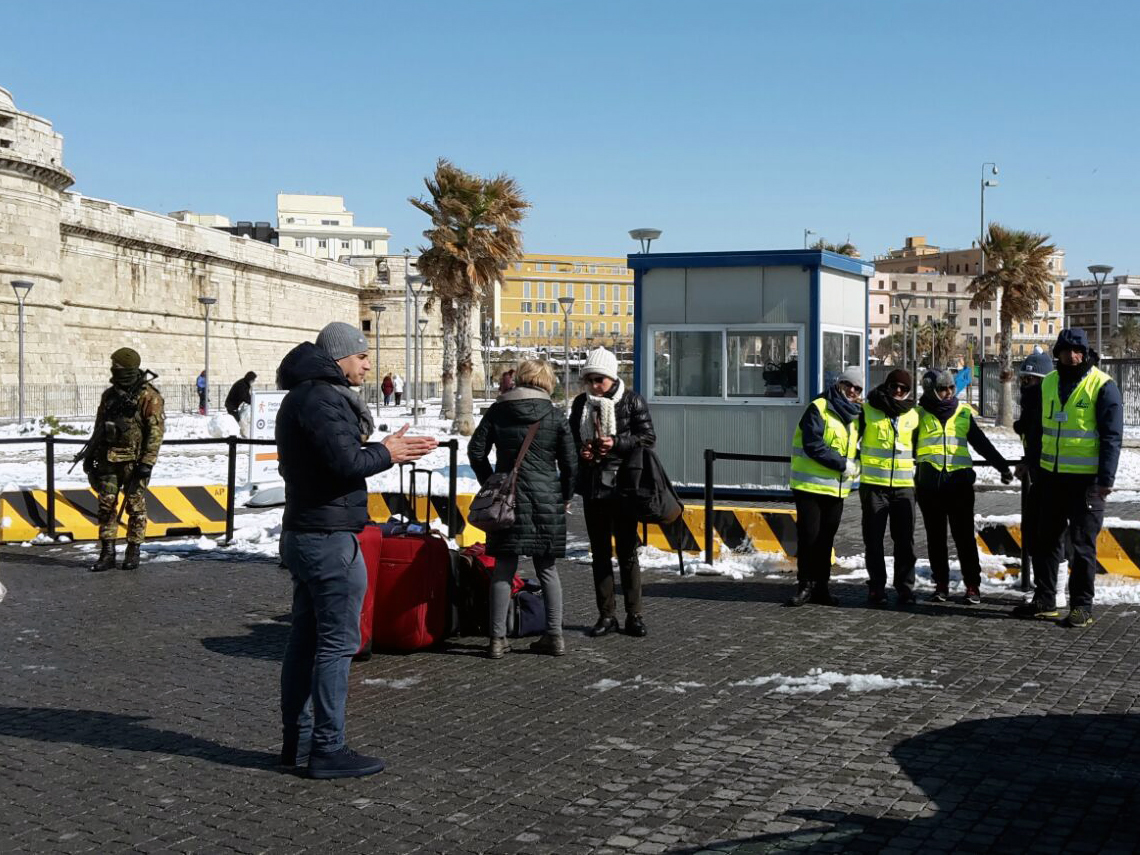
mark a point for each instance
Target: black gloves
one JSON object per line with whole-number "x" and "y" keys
{"x": 143, "y": 470}
{"x": 1006, "y": 476}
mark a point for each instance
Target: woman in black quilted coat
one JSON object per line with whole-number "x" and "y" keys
{"x": 608, "y": 422}
{"x": 545, "y": 485}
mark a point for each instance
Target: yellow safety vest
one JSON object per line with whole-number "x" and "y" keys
{"x": 1070, "y": 441}
{"x": 887, "y": 451}
{"x": 814, "y": 477}
{"x": 944, "y": 446}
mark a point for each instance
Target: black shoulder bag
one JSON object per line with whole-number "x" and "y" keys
{"x": 493, "y": 508}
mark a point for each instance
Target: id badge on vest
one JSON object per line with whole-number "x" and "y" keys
{"x": 1061, "y": 416}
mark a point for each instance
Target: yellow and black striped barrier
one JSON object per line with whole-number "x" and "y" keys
{"x": 171, "y": 511}
{"x": 383, "y": 506}
{"x": 734, "y": 528}
{"x": 1117, "y": 548}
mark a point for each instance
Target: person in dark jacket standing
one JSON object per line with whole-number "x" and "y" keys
{"x": 321, "y": 429}
{"x": 608, "y": 422}
{"x": 824, "y": 471}
{"x": 545, "y": 484}
{"x": 944, "y": 481}
{"x": 886, "y": 491}
{"x": 240, "y": 393}
{"x": 1082, "y": 427}
{"x": 386, "y": 388}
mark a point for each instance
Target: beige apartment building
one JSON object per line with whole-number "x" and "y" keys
{"x": 938, "y": 282}
{"x": 528, "y": 312}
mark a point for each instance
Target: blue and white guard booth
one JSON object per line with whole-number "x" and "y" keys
{"x": 729, "y": 347}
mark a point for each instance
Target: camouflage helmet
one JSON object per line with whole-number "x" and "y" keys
{"x": 125, "y": 357}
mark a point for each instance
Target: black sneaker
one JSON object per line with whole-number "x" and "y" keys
{"x": 973, "y": 596}
{"x": 604, "y": 626}
{"x": 344, "y": 763}
{"x": 1035, "y": 611}
{"x": 801, "y": 597}
{"x": 1078, "y": 618}
{"x": 822, "y": 597}
{"x": 635, "y": 626}
{"x": 940, "y": 595}
{"x": 906, "y": 599}
{"x": 876, "y": 597}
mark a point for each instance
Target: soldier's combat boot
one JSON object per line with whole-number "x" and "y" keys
{"x": 131, "y": 559}
{"x": 106, "y": 559}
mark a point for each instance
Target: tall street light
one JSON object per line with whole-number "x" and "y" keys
{"x": 806, "y": 233}
{"x": 905, "y": 301}
{"x": 646, "y": 237}
{"x": 986, "y": 182}
{"x": 409, "y": 327}
{"x": 415, "y": 286}
{"x": 21, "y": 287}
{"x": 1100, "y": 274}
{"x": 376, "y": 310}
{"x": 422, "y": 323}
{"x": 567, "y": 304}
{"x": 207, "y": 302}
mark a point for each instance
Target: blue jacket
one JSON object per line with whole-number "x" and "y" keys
{"x": 321, "y": 454}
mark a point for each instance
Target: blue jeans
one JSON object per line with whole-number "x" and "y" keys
{"x": 329, "y": 582}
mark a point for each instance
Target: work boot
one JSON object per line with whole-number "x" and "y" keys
{"x": 106, "y": 559}
{"x": 604, "y": 626}
{"x": 344, "y": 763}
{"x": 635, "y": 626}
{"x": 131, "y": 558}
{"x": 551, "y": 645}
{"x": 498, "y": 648}
{"x": 821, "y": 596}
{"x": 801, "y": 597}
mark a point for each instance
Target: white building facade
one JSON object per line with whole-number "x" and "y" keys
{"x": 321, "y": 227}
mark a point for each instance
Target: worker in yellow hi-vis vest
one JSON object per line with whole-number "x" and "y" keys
{"x": 944, "y": 481}
{"x": 1082, "y": 426}
{"x": 886, "y": 492}
{"x": 824, "y": 470}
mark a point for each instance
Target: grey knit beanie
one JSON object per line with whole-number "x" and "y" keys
{"x": 339, "y": 340}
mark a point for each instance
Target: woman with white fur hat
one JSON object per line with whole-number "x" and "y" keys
{"x": 608, "y": 421}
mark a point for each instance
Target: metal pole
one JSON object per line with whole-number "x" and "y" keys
{"x": 415, "y": 358}
{"x": 21, "y": 315}
{"x": 710, "y": 457}
{"x": 376, "y": 367}
{"x": 982, "y": 270}
{"x": 207, "y": 399}
{"x": 407, "y": 319}
{"x": 50, "y": 441}
{"x": 1099, "y": 348}
{"x": 452, "y": 488}
{"x": 231, "y": 483}
{"x": 1026, "y": 558}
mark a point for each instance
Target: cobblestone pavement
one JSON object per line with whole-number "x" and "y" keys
{"x": 139, "y": 713}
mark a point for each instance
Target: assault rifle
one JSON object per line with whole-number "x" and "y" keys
{"x": 88, "y": 447}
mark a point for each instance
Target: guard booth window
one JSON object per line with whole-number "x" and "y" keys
{"x": 840, "y": 350}
{"x": 763, "y": 364}
{"x": 687, "y": 364}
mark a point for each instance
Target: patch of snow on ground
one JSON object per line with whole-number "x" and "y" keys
{"x": 399, "y": 683}
{"x": 818, "y": 680}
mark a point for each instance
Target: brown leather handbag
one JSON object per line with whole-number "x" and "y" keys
{"x": 493, "y": 508}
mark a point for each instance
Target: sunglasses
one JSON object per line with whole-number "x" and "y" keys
{"x": 595, "y": 379}
{"x": 899, "y": 387}
{"x": 858, "y": 389}
{"x": 946, "y": 388}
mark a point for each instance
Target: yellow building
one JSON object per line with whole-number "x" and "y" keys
{"x": 527, "y": 311}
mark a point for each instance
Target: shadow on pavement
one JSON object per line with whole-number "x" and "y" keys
{"x": 105, "y": 730}
{"x": 753, "y": 591}
{"x": 265, "y": 641}
{"x": 999, "y": 785}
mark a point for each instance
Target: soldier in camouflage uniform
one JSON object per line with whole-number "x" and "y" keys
{"x": 128, "y": 432}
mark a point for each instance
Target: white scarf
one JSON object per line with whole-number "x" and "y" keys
{"x": 603, "y": 405}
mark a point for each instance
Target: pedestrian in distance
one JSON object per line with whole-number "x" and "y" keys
{"x": 886, "y": 489}
{"x": 321, "y": 429}
{"x": 507, "y": 381}
{"x": 1082, "y": 428}
{"x": 240, "y": 393}
{"x": 544, "y": 487}
{"x": 397, "y": 388}
{"x": 129, "y": 426}
{"x": 824, "y": 471}
{"x": 386, "y": 388}
{"x": 608, "y": 421}
{"x": 200, "y": 385}
{"x": 944, "y": 481}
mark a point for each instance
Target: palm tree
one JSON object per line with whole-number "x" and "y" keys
{"x": 1126, "y": 342}
{"x": 937, "y": 343}
{"x": 845, "y": 248}
{"x": 888, "y": 348}
{"x": 433, "y": 267}
{"x": 1017, "y": 274}
{"x": 474, "y": 235}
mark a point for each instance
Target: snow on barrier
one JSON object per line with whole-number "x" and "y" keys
{"x": 1117, "y": 547}
{"x": 171, "y": 511}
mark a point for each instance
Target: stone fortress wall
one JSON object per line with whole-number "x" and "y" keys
{"x": 107, "y": 276}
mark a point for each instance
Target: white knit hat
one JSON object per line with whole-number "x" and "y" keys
{"x": 602, "y": 362}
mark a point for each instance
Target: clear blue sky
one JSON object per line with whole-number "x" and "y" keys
{"x": 729, "y": 125}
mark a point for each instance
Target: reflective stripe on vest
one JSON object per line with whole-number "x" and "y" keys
{"x": 886, "y": 450}
{"x": 944, "y": 446}
{"x": 814, "y": 477}
{"x": 1070, "y": 441}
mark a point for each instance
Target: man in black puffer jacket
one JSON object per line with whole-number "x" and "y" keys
{"x": 608, "y": 421}
{"x": 321, "y": 428}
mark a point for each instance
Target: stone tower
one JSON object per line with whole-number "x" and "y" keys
{"x": 32, "y": 180}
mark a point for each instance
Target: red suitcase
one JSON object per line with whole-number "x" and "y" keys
{"x": 411, "y": 591}
{"x": 371, "y": 540}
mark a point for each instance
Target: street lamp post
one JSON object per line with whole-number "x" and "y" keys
{"x": 1100, "y": 274}
{"x": 567, "y": 304}
{"x": 904, "y": 304}
{"x": 418, "y": 282}
{"x": 486, "y": 355}
{"x": 806, "y": 233}
{"x": 376, "y": 310}
{"x": 409, "y": 328}
{"x": 206, "y": 303}
{"x": 986, "y": 182}
{"x": 646, "y": 237}
{"x": 21, "y": 287}
{"x": 422, "y": 323}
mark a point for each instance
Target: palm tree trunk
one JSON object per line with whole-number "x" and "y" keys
{"x": 1005, "y": 357}
{"x": 447, "y": 318}
{"x": 464, "y": 424}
